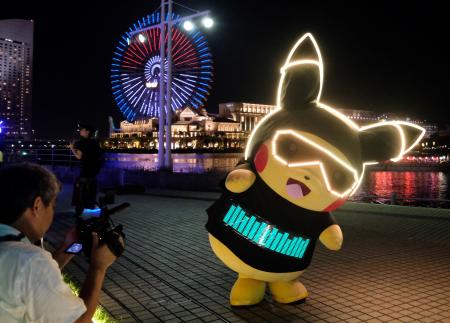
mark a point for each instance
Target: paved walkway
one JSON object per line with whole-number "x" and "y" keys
{"x": 392, "y": 268}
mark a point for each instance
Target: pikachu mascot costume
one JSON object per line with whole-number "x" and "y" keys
{"x": 301, "y": 162}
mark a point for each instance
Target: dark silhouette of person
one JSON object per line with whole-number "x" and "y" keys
{"x": 89, "y": 152}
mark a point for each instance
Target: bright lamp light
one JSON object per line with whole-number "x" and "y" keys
{"x": 188, "y": 25}
{"x": 208, "y": 22}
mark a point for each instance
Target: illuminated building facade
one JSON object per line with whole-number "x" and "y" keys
{"x": 229, "y": 129}
{"x": 16, "y": 57}
{"x": 138, "y": 128}
{"x": 247, "y": 114}
{"x": 191, "y": 129}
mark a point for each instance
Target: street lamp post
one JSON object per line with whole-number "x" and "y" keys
{"x": 165, "y": 94}
{"x": 161, "y": 111}
{"x": 168, "y": 155}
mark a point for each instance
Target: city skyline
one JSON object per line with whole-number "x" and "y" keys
{"x": 379, "y": 57}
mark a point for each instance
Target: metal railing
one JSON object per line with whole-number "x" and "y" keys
{"x": 45, "y": 156}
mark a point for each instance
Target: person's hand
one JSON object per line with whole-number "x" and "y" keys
{"x": 72, "y": 144}
{"x": 101, "y": 256}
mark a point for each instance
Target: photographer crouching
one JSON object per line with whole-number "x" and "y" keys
{"x": 31, "y": 285}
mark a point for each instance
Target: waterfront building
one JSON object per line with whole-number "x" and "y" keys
{"x": 194, "y": 128}
{"x": 16, "y": 58}
{"x": 191, "y": 129}
{"x": 247, "y": 114}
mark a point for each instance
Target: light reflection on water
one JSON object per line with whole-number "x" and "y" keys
{"x": 182, "y": 163}
{"x": 408, "y": 185}
{"x": 430, "y": 185}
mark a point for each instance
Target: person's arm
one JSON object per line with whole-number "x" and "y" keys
{"x": 101, "y": 259}
{"x": 61, "y": 257}
{"x": 76, "y": 152}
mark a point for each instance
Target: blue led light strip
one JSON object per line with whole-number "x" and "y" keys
{"x": 265, "y": 234}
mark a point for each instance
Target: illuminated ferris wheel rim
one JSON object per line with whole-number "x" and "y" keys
{"x": 135, "y": 72}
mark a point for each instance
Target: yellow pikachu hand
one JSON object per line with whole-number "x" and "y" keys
{"x": 239, "y": 180}
{"x": 332, "y": 237}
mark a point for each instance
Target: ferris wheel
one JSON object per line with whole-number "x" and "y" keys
{"x": 136, "y": 66}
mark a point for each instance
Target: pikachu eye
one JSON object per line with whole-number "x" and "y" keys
{"x": 292, "y": 147}
{"x": 339, "y": 179}
{"x": 289, "y": 148}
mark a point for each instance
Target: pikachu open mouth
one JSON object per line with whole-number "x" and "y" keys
{"x": 296, "y": 189}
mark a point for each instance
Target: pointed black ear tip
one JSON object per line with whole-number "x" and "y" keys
{"x": 305, "y": 47}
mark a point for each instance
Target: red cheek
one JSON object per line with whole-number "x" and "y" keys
{"x": 333, "y": 206}
{"x": 261, "y": 158}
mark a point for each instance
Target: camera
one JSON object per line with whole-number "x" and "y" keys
{"x": 98, "y": 220}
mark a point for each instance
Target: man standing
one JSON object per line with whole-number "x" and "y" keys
{"x": 88, "y": 151}
{"x": 31, "y": 286}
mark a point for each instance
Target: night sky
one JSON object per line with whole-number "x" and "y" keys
{"x": 386, "y": 56}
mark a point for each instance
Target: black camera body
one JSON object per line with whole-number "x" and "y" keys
{"x": 99, "y": 221}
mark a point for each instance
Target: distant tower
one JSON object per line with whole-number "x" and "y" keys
{"x": 16, "y": 58}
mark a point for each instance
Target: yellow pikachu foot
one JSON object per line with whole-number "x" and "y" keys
{"x": 247, "y": 291}
{"x": 288, "y": 292}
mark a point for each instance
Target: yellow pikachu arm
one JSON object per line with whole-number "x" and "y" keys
{"x": 332, "y": 237}
{"x": 239, "y": 180}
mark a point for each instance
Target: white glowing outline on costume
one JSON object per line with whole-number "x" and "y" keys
{"x": 288, "y": 63}
{"x": 334, "y": 112}
{"x": 338, "y": 115}
{"x": 316, "y": 162}
{"x": 403, "y": 149}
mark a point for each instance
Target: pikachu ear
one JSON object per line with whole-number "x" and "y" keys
{"x": 301, "y": 75}
{"x": 388, "y": 140}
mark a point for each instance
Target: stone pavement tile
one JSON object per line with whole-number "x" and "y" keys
{"x": 386, "y": 265}
{"x": 354, "y": 320}
{"x": 428, "y": 320}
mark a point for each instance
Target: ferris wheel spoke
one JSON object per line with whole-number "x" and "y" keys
{"x": 185, "y": 82}
{"x": 130, "y": 80}
{"x": 182, "y": 49}
{"x": 181, "y": 41}
{"x": 129, "y": 87}
{"x": 133, "y": 96}
{"x": 186, "y": 55}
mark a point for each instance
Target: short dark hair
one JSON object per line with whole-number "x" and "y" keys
{"x": 20, "y": 185}
{"x": 92, "y": 129}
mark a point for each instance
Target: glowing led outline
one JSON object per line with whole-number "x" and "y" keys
{"x": 337, "y": 114}
{"x": 316, "y": 162}
{"x": 397, "y": 124}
